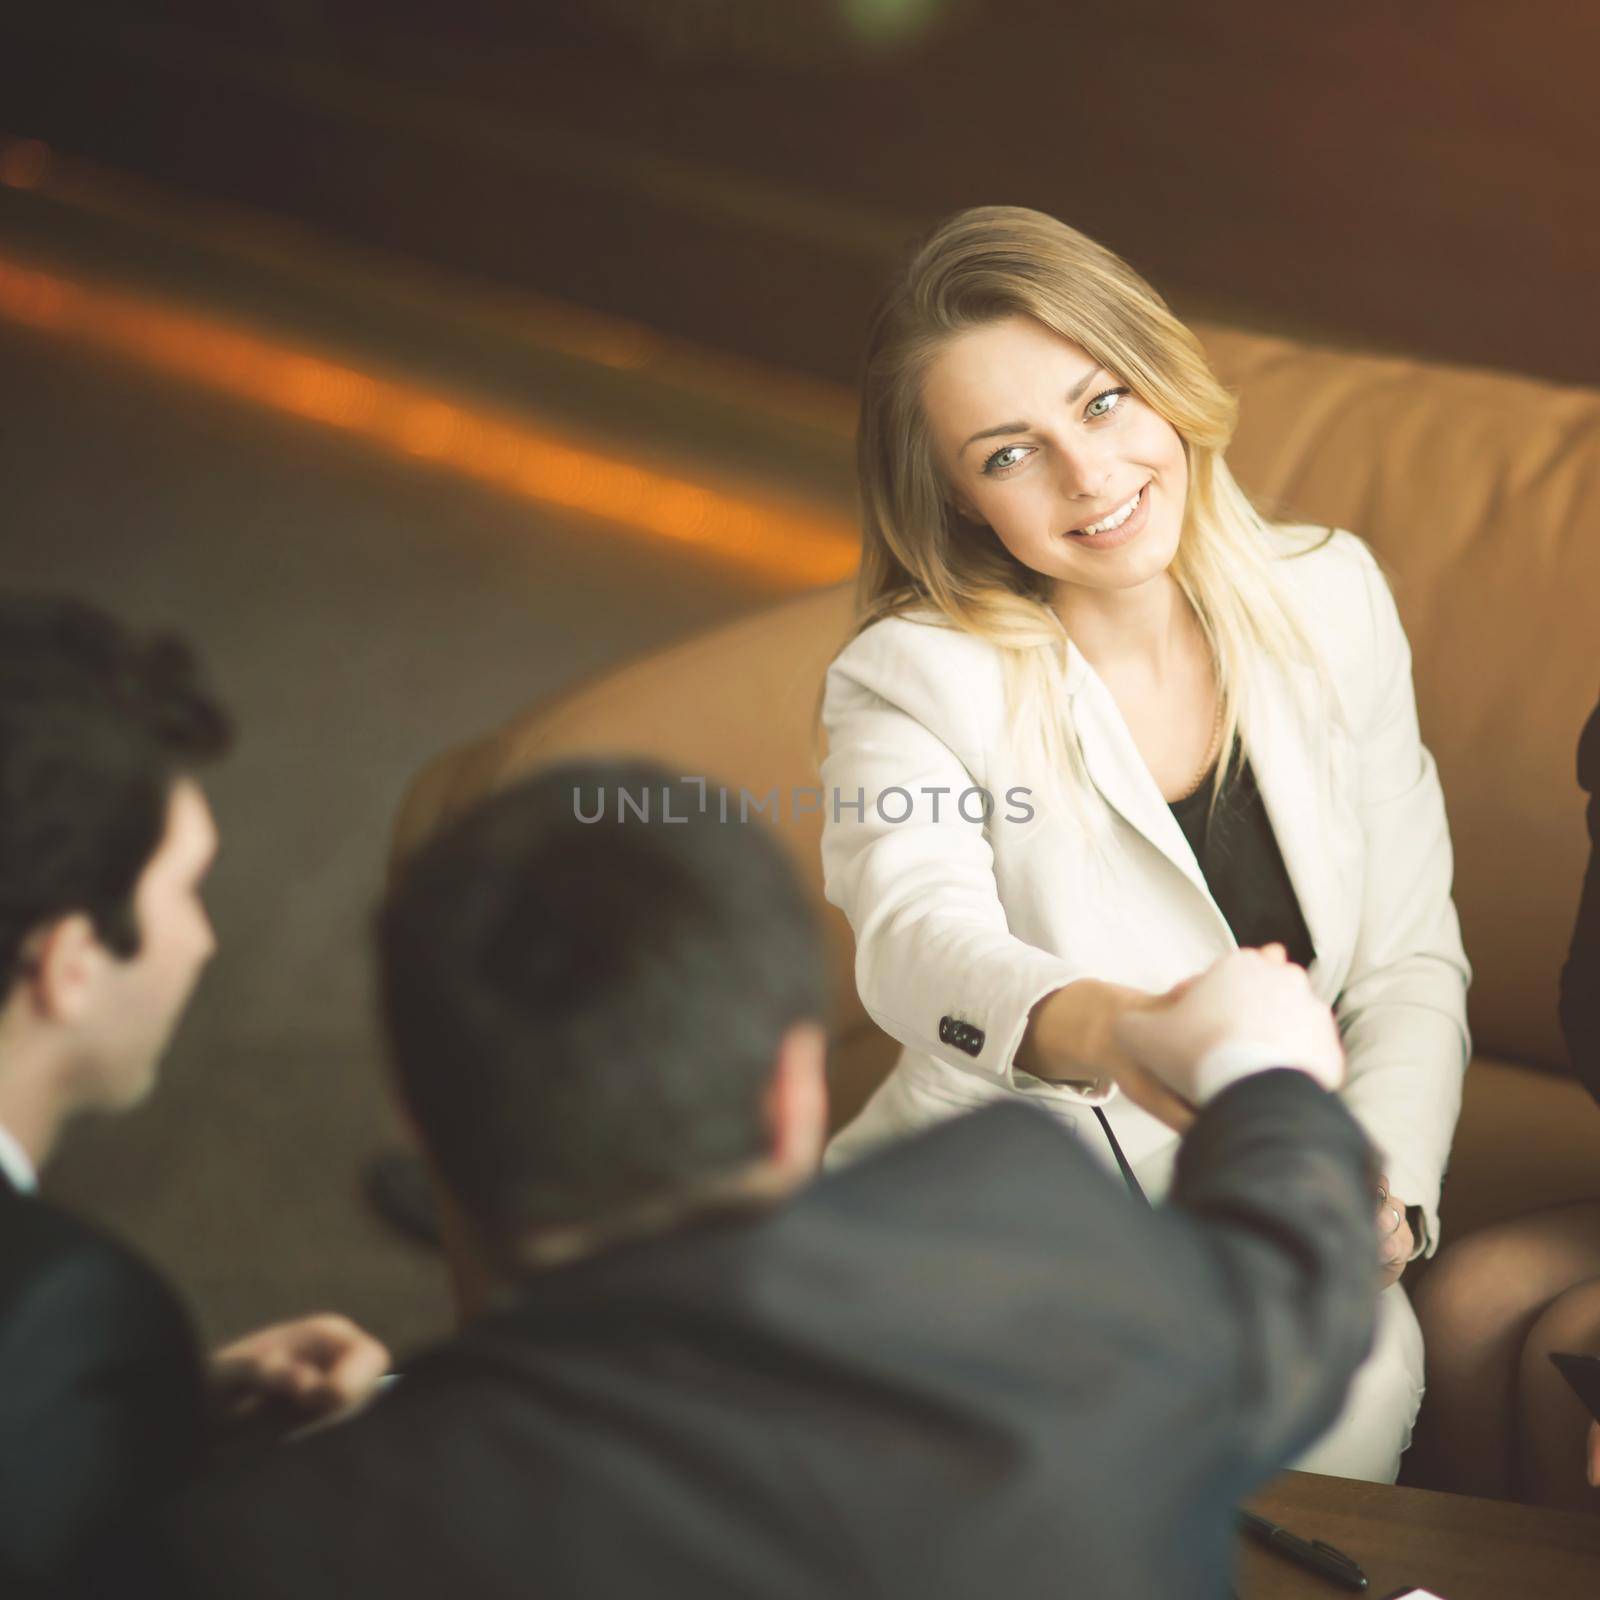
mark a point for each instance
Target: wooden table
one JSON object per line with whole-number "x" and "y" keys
{"x": 1459, "y": 1547}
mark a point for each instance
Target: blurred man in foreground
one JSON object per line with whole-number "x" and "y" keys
{"x": 104, "y": 839}
{"x": 970, "y": 1364}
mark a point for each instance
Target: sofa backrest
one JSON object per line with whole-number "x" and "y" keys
{"x": 1481, "y": 495}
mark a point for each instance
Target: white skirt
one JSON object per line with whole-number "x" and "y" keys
{"x": 1374, "y": 1428}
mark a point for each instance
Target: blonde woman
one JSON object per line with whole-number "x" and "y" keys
{"x": 1100, "y": 723}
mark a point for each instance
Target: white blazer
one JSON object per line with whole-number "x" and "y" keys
{"x": 963, "y": 924}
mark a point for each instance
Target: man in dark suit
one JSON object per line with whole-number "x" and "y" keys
{"x": 969, "y": 1365}
{"x": 1580, "y": 990}
{"x": 1580, "y": 977}
{"x": 105, "y": 837}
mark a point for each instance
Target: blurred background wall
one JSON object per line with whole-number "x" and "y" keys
{"x": 738, "y": 170}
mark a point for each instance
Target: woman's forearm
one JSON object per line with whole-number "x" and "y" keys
{"x": 1070, "y": 1031}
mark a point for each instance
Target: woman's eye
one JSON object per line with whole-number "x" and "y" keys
{"x": 1003, "y": 460}
{"x": 1104, "y": 404}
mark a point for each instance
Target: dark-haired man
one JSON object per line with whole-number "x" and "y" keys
{"x": 1580, "y": 977}
{"x": 105, "y": 838}
{"x": 1580, "y": 990}
{"x": 967, "y": 1365}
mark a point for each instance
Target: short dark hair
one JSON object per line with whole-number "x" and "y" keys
{"x": 585, "y": 1016}
{"x": 96, "y": 723}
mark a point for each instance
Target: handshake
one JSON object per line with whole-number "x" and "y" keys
{"x": 1253, "y": 1010}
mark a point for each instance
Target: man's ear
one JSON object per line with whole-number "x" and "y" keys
{"x": 797, "y": 1101}
{"x": 61, "y": 965}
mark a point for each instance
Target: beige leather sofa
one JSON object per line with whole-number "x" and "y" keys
{"x": 1481, "y": 495}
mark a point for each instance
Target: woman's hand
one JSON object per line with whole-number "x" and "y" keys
{"x": 1594, "y": 1455}
{"x": 1396, "y": 1242}
{"x": 1162, "y": 1050}
{"x": 1071, "y": 1038}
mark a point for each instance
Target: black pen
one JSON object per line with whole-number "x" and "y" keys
{"x": 1312, "y": 1554}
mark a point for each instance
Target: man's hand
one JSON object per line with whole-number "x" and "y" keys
{"x": 1147, "y": 1091}
{"x": 313, "y": 1367}
{"x": 1395, "y": 1238}
{"x": 1594, "y": 1455}
{"x": 1253, "y": 1005}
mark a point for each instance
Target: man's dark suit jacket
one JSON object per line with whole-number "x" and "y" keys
{"x": 971, "y": 1365}
{"x": 1580, "y": 978}
{"x": 100, "y": 1395}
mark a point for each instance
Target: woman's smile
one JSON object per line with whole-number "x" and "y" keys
{"x": 1117, "y": 527}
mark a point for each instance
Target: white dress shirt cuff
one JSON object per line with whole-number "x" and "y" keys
{"x": 15, "y": 1163}
{"x": 1228, "y": 1063}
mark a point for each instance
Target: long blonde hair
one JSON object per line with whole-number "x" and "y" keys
{"x": 920, "y": 554}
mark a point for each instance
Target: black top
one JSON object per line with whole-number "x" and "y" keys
{"x": 1580, "y": 979}
{"x": 908, "y": 1381}
{"x": 1242, "y": 865}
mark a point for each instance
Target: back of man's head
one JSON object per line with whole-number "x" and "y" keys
{"x": 585, "y": 1016}
{"x": 96, "y": 724}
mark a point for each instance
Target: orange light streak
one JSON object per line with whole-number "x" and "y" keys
{"x": 783, "y": 542}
